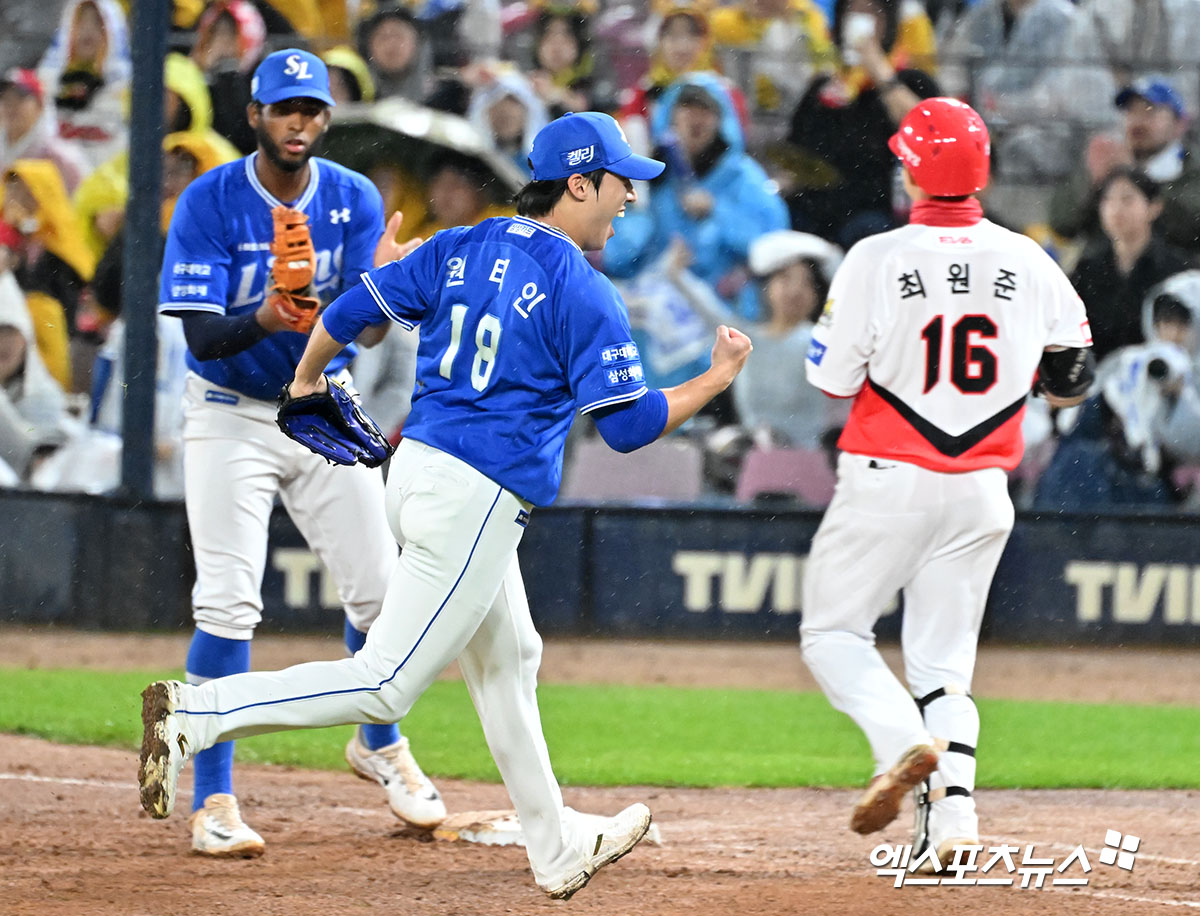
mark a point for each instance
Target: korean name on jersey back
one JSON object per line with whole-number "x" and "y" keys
{"x": 518, "y": 332}
{"x": 938, "y": 333}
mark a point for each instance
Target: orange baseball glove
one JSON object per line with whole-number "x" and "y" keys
{"x": 292, "y": 273}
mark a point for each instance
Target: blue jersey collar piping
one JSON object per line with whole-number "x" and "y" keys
{"x": 543, "y": 226}
{"x": 314, "y": 178}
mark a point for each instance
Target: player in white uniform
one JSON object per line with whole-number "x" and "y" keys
{"x": 215, "y": 274}
{"x": 518, "y": 333}
{"x": 937, "y": 330}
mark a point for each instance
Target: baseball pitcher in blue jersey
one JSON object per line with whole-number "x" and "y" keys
{"x": 517, "y": 334}
{"x": 219, "y": 276}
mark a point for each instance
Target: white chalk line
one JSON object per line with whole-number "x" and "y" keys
{"x": 1141, "y": 857}
{"x": 373, "y": 812}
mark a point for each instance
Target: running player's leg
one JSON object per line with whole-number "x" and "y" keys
{"x": 230, "y": 483}
{"x": 460, "y": 532}
{"x": 869, "y": 542}
{"x": 944, "y": 607}
{"x": 340, "y": 513}
{"x": 500, "y": 666}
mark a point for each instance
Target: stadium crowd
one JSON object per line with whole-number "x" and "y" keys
{"x": 772, "y": 117}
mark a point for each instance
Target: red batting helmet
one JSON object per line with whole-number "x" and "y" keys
{"x": 944, "y": 144}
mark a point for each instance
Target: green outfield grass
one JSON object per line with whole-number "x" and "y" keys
{"x": 668, "y": 736}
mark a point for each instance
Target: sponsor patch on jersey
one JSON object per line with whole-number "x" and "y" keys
{"x": 521, "y": 229}
{"x": 191, "y": 269}
{"x": 220, "y": 397}
{"x": 618, "y": 354}
{"x": 196, "y": 291}
{"x": 624, "y": 375}
{"x": 816, "y": 352}
{"x": 522, "y": 518}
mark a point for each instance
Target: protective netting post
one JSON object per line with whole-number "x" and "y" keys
{"x": 139, "y": 288}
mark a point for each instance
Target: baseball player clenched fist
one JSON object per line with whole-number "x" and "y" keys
{"x": 937, "y": 330}
{"x": 253, "y": 249}
{"x": 518, "y": 333}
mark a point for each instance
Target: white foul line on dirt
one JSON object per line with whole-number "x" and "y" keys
{"x": 1142, "y": 857}
{"x": 1194, "y": 904}
{"x": 66, "y": 781}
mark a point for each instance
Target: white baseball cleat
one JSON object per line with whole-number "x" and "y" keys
{"x": 621, "y": 833}
{"x": 411, "y": 796}
{"x": 165, "y": 749}
{"x": 219, "y": 831}
{"x": 946, "y": 824}
{"x": 879, "y": 805}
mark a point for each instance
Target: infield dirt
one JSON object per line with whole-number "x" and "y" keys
{"x": 72, "y": 837}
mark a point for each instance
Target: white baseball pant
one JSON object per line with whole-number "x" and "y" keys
{"x": 456, "y": 592}
{"x": 938, "y": 537}
{"x": 235, "y": 461}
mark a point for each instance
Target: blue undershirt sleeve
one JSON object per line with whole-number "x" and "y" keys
{"x": 351, "y": 312}
{"x": 631, "y": 424}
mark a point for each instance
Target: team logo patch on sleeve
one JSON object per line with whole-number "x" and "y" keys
{"x": 624, "y": 375}
{"x": 195, "y": 291}
{"x": 619, "y": 354}
{"x": 191, "y": 269}
{"x": 816, "y": 352}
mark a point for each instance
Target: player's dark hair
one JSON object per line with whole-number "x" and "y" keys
{"x": 538, "y": 198}
{"x": 956, "y": 199}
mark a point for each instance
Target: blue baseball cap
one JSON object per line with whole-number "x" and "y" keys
{"x": 291, "y": 74}
{"x": 1154, "y": 91}
{"x": 583, "y": 142}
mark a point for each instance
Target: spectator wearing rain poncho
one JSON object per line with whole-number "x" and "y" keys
{"x": 32, "y": 408}
{"x": 29, "y": 128}
{"x": 100, "y": 199}
{"x": 86, "y": 71}
{"x": 1143, "y": 418}
{"x": 715, "y": 198}
{"x": 230, "y": 38}
{"x": 53, "y": 263}
{"x": 506, "y": 110}
{"x": 712, "y": 194}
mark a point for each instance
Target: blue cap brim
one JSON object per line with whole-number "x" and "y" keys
{"x": 284, "y": 93}
{"x": 1130, "y": 92}
{"x": 639, "y": 168}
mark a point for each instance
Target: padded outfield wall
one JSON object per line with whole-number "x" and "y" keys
{"x": 612, "y": 571}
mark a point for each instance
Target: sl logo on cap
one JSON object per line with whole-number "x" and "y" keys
{"x": 297, "y": 67}
{"x": 579, "y": 156}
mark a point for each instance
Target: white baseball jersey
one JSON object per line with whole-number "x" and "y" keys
{"x": 938, "y": 332}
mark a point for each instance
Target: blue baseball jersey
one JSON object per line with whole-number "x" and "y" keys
{"x": 218, "y": 258}
{"x": 518, "y": 332}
